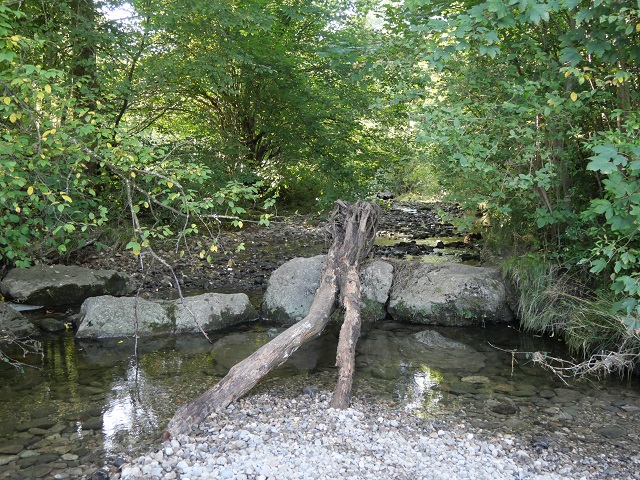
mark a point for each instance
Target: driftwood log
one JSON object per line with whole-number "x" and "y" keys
{"x": 353, "y": 228}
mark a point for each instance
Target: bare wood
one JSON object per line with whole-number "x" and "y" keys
{"x": 353, "y": 231}
{"x": 361, "y": 231}
{"x": 349, "y": 334}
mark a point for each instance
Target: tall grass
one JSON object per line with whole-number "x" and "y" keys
{"x": 555, "y": 301}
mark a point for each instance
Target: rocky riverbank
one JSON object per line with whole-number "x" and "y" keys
{"x": 98, "y": 414}
{"x": 295, "y": 435}
{"x": 227, "y": 270}
{"x": 493, "y": 418}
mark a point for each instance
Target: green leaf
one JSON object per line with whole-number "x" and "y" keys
{"x": 598, "y": 265}
{"x": 539, "y": 12}
{"x": 570, "y": 55}
{"x": 601, "y": 206}
{"x": 601, "y": 163}
{"x": 632, "y": 325}
{"x": 135, "y": 247}
{"x": 7, "y": 56}
{"x": 570, "y": 4}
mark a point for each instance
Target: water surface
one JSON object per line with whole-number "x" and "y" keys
{"x": 115, "y": 396}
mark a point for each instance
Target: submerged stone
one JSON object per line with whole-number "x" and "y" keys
{"x": 480, "y": 379}
{"x": 611, "y": 431}
{"x": 50, "y": 325}
{"x": 386, "y": 353}
{"x": 13, "y": 323}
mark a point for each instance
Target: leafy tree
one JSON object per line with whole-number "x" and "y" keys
{"x": 530, "y": 108}
{"x": 271, "y": 90}
{"x": 67, "y": 168}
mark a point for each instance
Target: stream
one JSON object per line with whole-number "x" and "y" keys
{"x": 87, "y": 404}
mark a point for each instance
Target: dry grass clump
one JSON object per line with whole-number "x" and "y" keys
{"x": 552, "y": 300}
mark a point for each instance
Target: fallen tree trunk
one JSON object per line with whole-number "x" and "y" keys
{"x": 349, "y": 285}
{"x": 245, "y": 375}
{"x": 349, "y": 334}
{"x": 353, "y": 230}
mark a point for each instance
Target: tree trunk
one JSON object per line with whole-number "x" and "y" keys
{"x": 351, "y": 243}
{"x": 349, "y": 334}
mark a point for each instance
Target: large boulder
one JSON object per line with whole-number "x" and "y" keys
{"x": 376, "y": 278}
{"x": 108, "y": 316}
{"x": 56, "y": 285}
{"x": 449, "y": 294}
{"x": 292, "y": 288}
{"x": 13, "y": 324}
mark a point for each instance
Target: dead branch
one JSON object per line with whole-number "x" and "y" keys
{"x": 353, "y": 230}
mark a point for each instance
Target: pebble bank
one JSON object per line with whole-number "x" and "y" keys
{"x": 267, "y": 437}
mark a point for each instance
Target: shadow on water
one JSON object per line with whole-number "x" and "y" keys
{"x": 96, "y": 398}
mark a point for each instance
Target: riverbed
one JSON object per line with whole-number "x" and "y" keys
{"x": 85, "y": 405}
{"x": 84, "y": 409}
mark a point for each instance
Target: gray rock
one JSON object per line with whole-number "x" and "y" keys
{"x": 42, "y": 423}
{"x": 611, "y": 431}
{"x": 5, "y": 459}
{"x": 525, "y": 390}
{"x": 566, "y": 395}
{"x": 504, "y": 408}
{"x": 376, "y": 278}
{"x": 11, "y": 448}
{"x": 50, "y": 325}
{"x": 389, "y": 354}
{"x": 292, "y": 287}
{"x": 93, "y": 423}
{"x": 449, "y": 294}
{"x": 477, "y": 379}
{"x": 107, "y": 316}
{"x": 63, "y": 285}
{"x": 14, "y": 324}
{"x": 433, "y": 339}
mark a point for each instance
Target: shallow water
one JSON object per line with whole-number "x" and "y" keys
{"x": 111, "y": 400}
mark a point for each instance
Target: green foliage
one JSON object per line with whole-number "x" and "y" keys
{"x": 511, "y": 90}
{"x": 66, "y": 170}
{"x": 529, "y": 109}
{"x": 616, "y": 213}
{"x": 42, "y": 183}
{"x": 276, "y": 91}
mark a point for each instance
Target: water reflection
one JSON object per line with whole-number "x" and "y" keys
{"x": 127, "y": 409}
{"x": 422, "y": 395}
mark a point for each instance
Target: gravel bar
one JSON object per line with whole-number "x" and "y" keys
{"x": 267, "y": 437}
